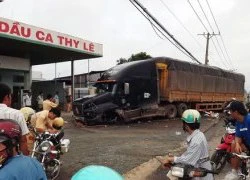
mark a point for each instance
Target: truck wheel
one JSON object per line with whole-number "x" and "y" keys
{"x": 112, "y": 118}
{"x": 171, "y": 111}
{"x": 181, "y": 108}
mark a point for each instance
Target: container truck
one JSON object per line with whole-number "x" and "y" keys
{"x": 157, "y": 87}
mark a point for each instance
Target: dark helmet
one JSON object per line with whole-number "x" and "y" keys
{"x": 10, "y": 131}
{"x": 10, "y": 134}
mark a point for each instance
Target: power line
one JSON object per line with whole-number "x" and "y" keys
{"x": 219, "y": 33}
{"x": 213, "y": 16}
{"x": 164, "y": 29}
{"x": 181, "y": 23}
{"x": 213, "y": 31}
{"x": 197, "y": 16}
{"x": 205, "y": 15}
{"x": 154, "y": 26}
{"x": 225, "y": 59}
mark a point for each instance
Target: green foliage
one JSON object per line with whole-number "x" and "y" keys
{"x": 134, "y": 57}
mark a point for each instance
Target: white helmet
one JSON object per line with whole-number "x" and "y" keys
{"x": 27, "y": 113}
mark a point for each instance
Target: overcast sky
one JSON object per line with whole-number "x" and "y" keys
{"x": 123, "y": 31}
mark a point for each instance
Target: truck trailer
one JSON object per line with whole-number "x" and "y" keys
{"x": 157, "y": 87}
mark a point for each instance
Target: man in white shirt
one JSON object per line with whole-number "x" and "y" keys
{"x": 56, "y": 98}
{"x": 9, "y": 113}
{"x": 27, "y": 100}
{"x": 197, "y": 150}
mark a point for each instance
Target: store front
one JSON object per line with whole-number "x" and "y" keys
{"x": 23, "y": 45}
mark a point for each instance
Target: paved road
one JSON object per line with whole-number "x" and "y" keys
{"x": 121, "y": 147}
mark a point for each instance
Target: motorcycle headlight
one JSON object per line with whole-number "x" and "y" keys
{"x": 177, "y": 171}
{"x": 45, "y": 146}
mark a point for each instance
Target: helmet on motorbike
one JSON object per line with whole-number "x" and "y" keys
{"x": 95, "y": 172}
{"x": 231, "y": 130}
{"x": 191, "y": 116}
{"x": 58, "y": 123}
{"x": 27, "y": 113}
{"x": 10, "y": 134}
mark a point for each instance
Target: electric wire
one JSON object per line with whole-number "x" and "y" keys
{"x": 219, "y": 33}
{"x": 197, "y": 16}
{"x": 225, "y": 59}
{"x": 161, "y": 31}
{"x": 175, "y": 43}
{"x": 165, "y": 5}
{"x": 207, "y": 29}
{"x": 213, "y": 16}
{"x": 218, "y": 53}
{"x": 205, "y": 15}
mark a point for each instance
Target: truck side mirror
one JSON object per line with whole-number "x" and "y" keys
{"x": 126, "y": 88}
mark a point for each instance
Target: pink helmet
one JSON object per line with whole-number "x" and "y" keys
{"x": 9, "y": 129}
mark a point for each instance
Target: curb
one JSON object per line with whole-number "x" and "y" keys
{"x": 142, "y": 171}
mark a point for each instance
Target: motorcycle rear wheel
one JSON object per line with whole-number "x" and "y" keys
{"x": 218, "y": 160}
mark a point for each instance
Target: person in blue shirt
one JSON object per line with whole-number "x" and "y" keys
{"x": 242, "y": 136}
{"x": 13, "y": 165}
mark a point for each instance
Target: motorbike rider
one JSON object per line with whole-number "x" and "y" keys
{"x": 27, "y": 113}
{"x": 242, "y": 136}
{"x": 96, "y": 172}
{"x": 13, "y": 164}
{"x": 43, "y": 120}
{"x": 49, "y": 103}
{"x": 197, "y": 150}
{"x": 7, "y": 112}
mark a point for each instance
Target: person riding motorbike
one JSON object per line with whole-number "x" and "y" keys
{"x": 197, "y": 150}
{"x": 242, "y": 136}
{"x": 42, "y": 121}
{"x": 14, "y": 165}
{"x": 27, "y": 113}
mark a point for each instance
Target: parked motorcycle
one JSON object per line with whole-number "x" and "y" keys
{"x": 222, "y": 152}
{"x": 47, "y": 150}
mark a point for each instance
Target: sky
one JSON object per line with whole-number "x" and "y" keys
{"x": 123, "y": 30}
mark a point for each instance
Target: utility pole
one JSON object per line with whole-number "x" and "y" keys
{"x": 207, "y": 36}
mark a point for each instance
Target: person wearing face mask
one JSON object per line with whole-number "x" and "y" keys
{"x": 14, "y": 165}
{"x": 197, "y": 147}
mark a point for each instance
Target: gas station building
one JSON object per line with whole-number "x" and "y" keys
{"x": 23, "y": 45}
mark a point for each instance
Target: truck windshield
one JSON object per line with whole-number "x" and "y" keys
{"x": 105, "y": 87}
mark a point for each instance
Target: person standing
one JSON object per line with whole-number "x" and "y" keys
{"x": 39, "y": 100}
{"x": 9, "y": 113}
{"x": 14, "y": 165}
{"x": 56, "y": 98}
{"x": 27, "y": 99}
{"x": 49, "y": 103}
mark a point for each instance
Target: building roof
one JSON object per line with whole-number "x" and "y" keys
{"x": 43, "y": 46}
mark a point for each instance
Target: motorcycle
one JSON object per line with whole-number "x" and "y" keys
{"x": 221, "y": 155}
{"x": 244, "y": 165}
{"x": 47, "y": 150}
{"x": 184, "y": 171}
{"x": 187, "y": 172}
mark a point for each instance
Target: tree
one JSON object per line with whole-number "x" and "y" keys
{"x": 134, "y": 57}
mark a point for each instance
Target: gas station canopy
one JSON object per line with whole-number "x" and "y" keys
{"x": 43, "y": 46}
